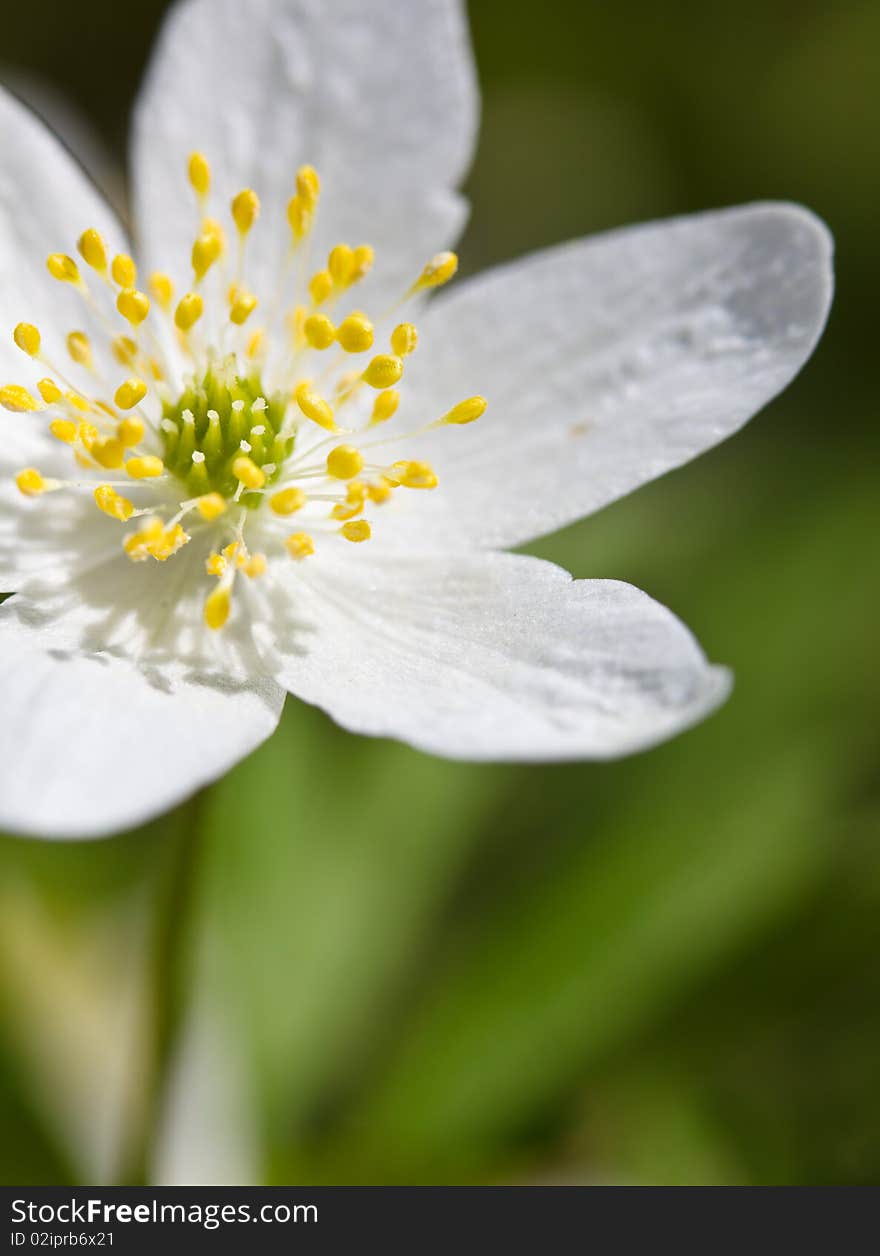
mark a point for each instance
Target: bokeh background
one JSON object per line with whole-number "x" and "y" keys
{"x": 348, "y": 962}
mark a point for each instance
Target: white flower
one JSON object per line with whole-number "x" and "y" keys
{"x": 184, "y": 537}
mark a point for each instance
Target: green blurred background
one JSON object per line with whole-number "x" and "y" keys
{"x": 348, "y": 962}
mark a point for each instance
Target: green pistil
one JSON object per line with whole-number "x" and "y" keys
{"x": 219, "y": 437}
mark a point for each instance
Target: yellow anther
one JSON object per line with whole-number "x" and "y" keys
{"x": 245, "y": 209}
{"x": 217, "y": 607}
{"x": 78, "y": 402}
{"x": 199, "y": 175}
{"x": 242, "y": 307}
{"x": 17, "y": 399}
{"x": 384, "y": 371}
{"x": 189, "y": 310}
{"x": 93, "y": 250}
{"x": 314, "y": 407}
{"x": 79, "y": 347}
{"x": 356, "y": 491}
{"x": 124, "y": 271}
{"x": 355, "y": 334}
{"x": 205, "y": 252}
{"x": 308, "y": 186}
{"x": 288, "y": 501}
{"x": 300, "y": 545}
{"x": 465, "y": 412}
{"x": 49, "y": 391}
{"x": 124, "y": 350}
{"x": 215, "y": 565}
{"x": 130, "y": 394}
{"x": 211, "y": 506}
{"x": 404, "y": 339}
{"x": 380, "y": 491}
{"x": 63, "y": 268}
{"x": 64, "y": 430}
{"x": 248, "y": 473}
{"x": 108, "y": 500}
{"x": 437, "y": 272}
{"x": 154, "y": 540}
{"x": 255, "y": 344}
{"x": 231, "y": 552}
{"x": 319, "y": 331}
{"x": 31, "y": 483}
{"x": 320, "y": 287}
{"x": 130, "y": 432}
{"x": 149, "y": 467}
{"x": 255, "y": 566}
{"x": 162, "y": 288}
{"x": 356, "y": 530}
{"x": 134, "y": 306}
{"x": 364, "y": 257}
{"x": 345, "y": 462}
{"x": 414, "y": 475}
{"x": 213, "y": 226}
{"x": 340, "y": 264}
{"x": 27, "y": 337}
{"x": 299, "y": 216}
{"x": 108, "y": 453}
{"x": 385, "y": 406}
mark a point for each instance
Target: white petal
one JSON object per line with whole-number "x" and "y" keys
{"x": 491, "y": 656}
{"x": 379, "y": 97}
{"x": 606, "y": 362}
{"x": 46, "y": 202}
{"x": 91, "y": 743}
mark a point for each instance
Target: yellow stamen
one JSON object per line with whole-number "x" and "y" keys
{"x": 340, "y": 265}
{"x": 414, "y": 474}
{"x": 357, "y": 530}
{"x": 134, "y": 306}
{"x": 308, "y": 186}
{"x": 242, "y": 307}
{"x": 130, "y": 432}
{"x": 364, "y": 257}
{"x": 465, "y": 412}
{"x": 211, "y": 506}
{"x": 31, "y": 483}
{"x": 189, "y": 310}
{"x": 437, "y": 272}
{"x": 27, "y": 337}
{"x": 380, "y": 491}
{"x": 385, "y": 406}
{"x": 109, "y": 453}
{"x": 130, "y": 394}
{"x": 320, "y": 287}
{"x": 355, "y": 334}
{"x": 315, "y": 407}
{"x": 344, "y": 462}
{"x": 255, "y": 566}
{"x": 248, "y": 473}
{"x": 79, "y": 348}
{"x": 124, "y": 271}
{"x": 108, "y": 500}
{"x": 319, "y": 331}
{"x": 288, "y": 501}
{"x": 255, "y": 344}
{"x": 300, "y": 545}
{"x": 404, "y": 339}
{"x": 199, "y": 173}
{"x": 245, "y": 210}
{"x": 205, "y": 252}
{"x": 49, "y": 391}
{"x": 384, "y": 371}
{"x": 149, "y": 467}
{"x": 93, "y": 250}
{"x": 17, "y": 399}
{"x": 125, "y": 350}
{"x": 63, "y": 268}
{"x": 162, "y": 289}
{"x": 64, "y": 430}
{"x": 217, "y": 607}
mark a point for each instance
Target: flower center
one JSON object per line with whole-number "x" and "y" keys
{"x": 216, "y": 422}
{"x": 241, "y": 427}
